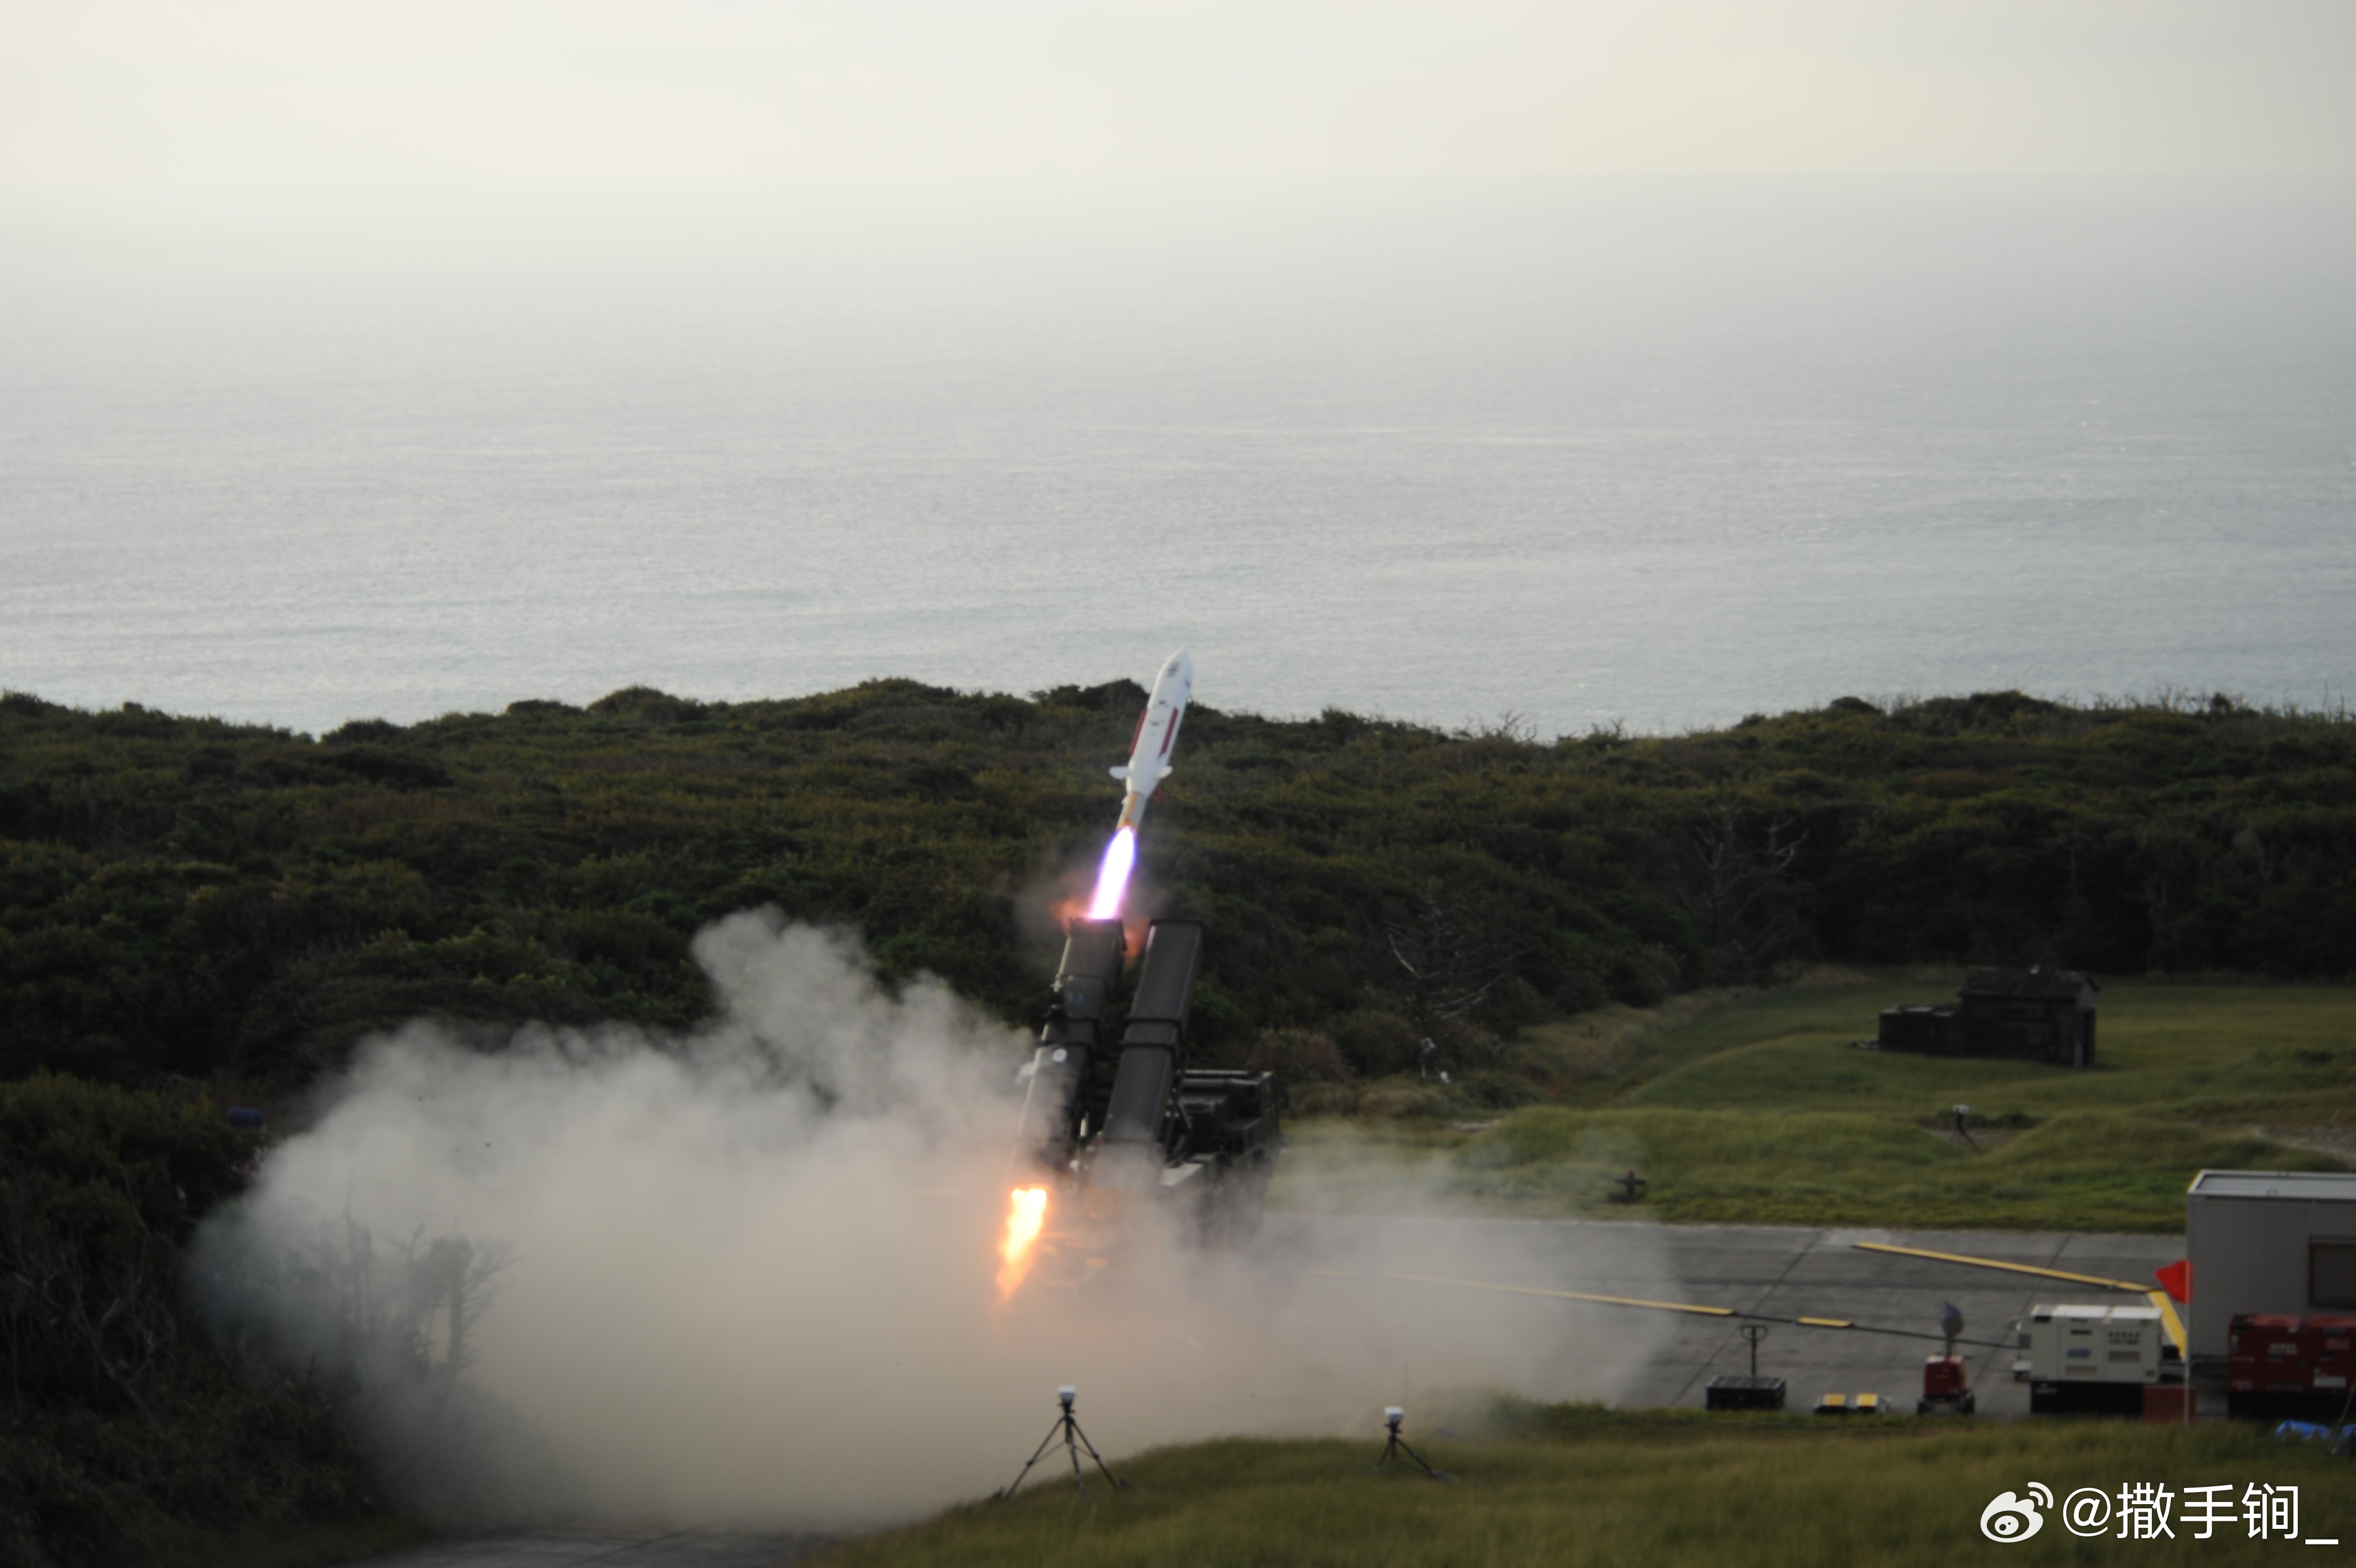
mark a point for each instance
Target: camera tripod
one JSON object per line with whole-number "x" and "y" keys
{"x": 1067, "y": 1427}
{"x": 1392, "y": 1418}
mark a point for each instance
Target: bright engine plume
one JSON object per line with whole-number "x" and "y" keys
{"x": 1026, "y": 1211}
{"x": 1112, "y": 876}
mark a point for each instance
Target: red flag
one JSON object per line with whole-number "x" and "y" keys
{"x": 2176, "y": 1280}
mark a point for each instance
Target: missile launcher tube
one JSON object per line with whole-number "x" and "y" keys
{"x": 1068, "y": 1083}
{"x": 1140, "y": 1116}
{"x": 1152, "y": 1056}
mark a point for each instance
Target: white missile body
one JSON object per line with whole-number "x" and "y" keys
{"x": 1157, "y": 734}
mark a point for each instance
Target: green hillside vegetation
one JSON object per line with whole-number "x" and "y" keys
{"x": 1757, "y": 1108}
{"x": 1585, "y": 1487}
{"x": 232, "y": 903}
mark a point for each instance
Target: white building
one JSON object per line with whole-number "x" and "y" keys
{"x": 2267, "y": 1241}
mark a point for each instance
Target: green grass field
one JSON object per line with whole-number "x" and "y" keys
{"x": 1580, "y": 1485}
{"x": 1754, "y": 1107}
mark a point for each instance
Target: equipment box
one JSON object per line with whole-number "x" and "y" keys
{"x": 2330, "y": 1342}
{"x": 2265, "y": 1353}
{"x": 2087, "y": 1396}
{"x": 1735, "y": 1391}
{"x": 2278, "y": 1366}
{"x": 2094, "y": 1344}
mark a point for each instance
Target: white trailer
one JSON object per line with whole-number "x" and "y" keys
{"x": 2267, "y": 1241}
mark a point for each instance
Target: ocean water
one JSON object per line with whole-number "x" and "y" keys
{"x": 1656, "y": 455}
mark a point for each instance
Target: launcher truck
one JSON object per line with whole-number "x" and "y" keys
{"x": 1112, "y": 1123}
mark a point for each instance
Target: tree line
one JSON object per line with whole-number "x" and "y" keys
{"x": 240, "y": 904}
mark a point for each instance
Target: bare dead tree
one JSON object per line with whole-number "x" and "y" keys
{"x": 1742, "y": 899}
{"x": 1448, "y": 950}
{"x": 108, "y": 1311}
{"x": 400, "y": 1299}
{"x": 380, "y": 1315}
{"x": 457, "y": 1277}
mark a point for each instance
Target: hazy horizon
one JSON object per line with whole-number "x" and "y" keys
{"x": 1660, "y": 453}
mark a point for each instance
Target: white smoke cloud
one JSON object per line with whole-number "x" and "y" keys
{"x": 747, "y": 1275}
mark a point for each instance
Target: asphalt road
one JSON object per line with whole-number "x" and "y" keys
{"x": 1786, "y": 1272}
{"x": 608, "y": 1548}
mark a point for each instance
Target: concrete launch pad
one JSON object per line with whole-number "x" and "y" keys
{"x": 1787, "y": 1272}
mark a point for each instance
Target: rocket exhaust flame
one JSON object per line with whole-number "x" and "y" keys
{"x": 1112, "y": 876}
{"x": 1026, "y": 1212}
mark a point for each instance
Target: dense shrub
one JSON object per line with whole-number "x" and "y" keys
{"x": 121, "y": 1426}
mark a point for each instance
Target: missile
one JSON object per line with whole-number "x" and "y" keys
{"x": 1157, "y": 733}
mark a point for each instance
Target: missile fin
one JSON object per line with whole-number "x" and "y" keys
{"x": 1121, "y": 773}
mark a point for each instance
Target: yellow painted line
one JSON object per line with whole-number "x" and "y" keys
{"x": 1570, "y": 1295}
{"x": 1824, "y": 1322}
{"x": 2173, "y": 1323}
{"x": 2009, "y": 1268}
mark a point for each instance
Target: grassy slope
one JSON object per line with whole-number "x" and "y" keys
{"x": 1653, "y": 1489}
{"x": 1757, "y": 1109}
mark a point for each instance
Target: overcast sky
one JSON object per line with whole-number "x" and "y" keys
{"x": 143, "y": 92}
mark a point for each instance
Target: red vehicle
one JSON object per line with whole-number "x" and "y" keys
{"x": 1945, "y": 1387}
